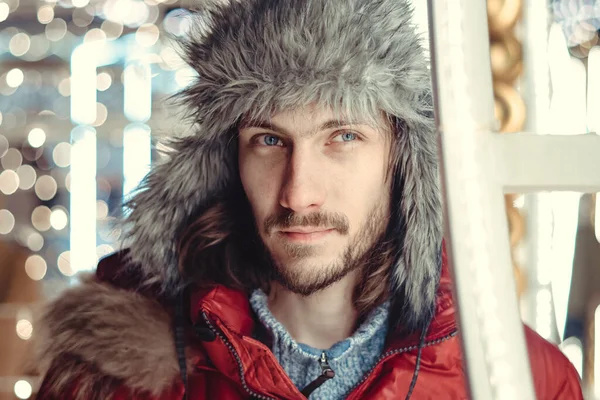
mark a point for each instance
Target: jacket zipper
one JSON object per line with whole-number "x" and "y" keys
{"x": 363, "y": 380}
{"x": 237, "y": 359}
{"x": 399, "y": 351}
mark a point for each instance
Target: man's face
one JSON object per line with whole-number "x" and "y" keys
{"x": 319, "y": 190}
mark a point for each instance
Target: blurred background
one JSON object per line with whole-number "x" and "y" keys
{"x": 83, "y": 90}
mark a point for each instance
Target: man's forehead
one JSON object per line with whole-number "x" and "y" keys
{"x": 313, "y": 119}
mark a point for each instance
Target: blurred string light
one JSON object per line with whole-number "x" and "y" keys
{"x": 112, "y": 29}
{"x": 45, "y": 187}
{"x": 59, "y": 218}
{"x": 19, "y": 44}
{"x": 101, "y": 209}
{"x": 12, "y": 159}
{"x": 40, "y": 218}
{"x": 103, "y": 81}
{"x": 24, "y": 329}
{"x": 27, "y": 177}
{"x": 101, "y": 114}
{"x": 177, "y": 22}
{"x": 4, "y": 145}
{"x": 104, "y": 250}
{"x": 83, "y": 197}
{"x": 56, "y": 29}
{"x": 9, "y": 182}
{"x": 7, "y": 222}
{"x": 14, "y": 78}
{"x": 35, "y": 241}
{"x": 147, "y": 35}
{"x": 64, "y": 87}
{"x": 45, "y": 14}
{"x": 62, "y": 154}
{"x": 23, "y": 389}
{"x": 36, "y": 137}
{"x": 64, "y": 263}
{"x": 36, "y": 267}
{"x": 4, "y": 11}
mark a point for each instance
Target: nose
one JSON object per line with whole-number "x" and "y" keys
{"x": 303, "y": 188}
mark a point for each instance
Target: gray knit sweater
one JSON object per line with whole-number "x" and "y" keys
{"x": 351, "y": 358}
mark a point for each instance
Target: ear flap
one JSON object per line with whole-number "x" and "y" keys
{"x": 198, "y": 173}
{"x": 416, "y": 273}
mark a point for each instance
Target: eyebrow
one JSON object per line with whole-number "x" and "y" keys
{"x": 334, "y": 123}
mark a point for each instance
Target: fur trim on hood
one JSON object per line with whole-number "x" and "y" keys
{"x": 257, "y": 57}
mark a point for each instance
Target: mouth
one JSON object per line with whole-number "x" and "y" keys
{"x": 305, "y": 234}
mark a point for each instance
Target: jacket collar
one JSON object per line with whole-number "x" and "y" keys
{"x": 232, "y": 309}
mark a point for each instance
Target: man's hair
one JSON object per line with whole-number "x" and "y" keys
{"x": 222, "y": 247}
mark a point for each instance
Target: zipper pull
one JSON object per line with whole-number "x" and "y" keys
{"x": 326, "y": 374}
{"x": 325, "y": 368}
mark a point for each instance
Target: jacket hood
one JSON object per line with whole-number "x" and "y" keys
{"x": 256, "y": 57}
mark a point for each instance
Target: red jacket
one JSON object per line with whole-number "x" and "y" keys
{"x": 138, "y": 361}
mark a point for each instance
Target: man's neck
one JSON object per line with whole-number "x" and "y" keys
{"x": 319, "y": 320}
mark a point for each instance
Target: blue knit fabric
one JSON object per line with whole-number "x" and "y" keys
{"x": 350, "y": 359}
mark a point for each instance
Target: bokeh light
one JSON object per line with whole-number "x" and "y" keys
{"x": 103, "y": 81}
{"x": 24, "y": 329}
{"x": 45, "y": 187}
{"x": 64, "y": 263}
{"x": 7, "y": 222}
{"x": 4, "y": 11}
{"x": 19, "y": 44}
{"x": 27, "y": 177}
{"x": 101, "y": 114}
{"x": 56, "y": 29}
{"x": 35, "y": 267}
{"x": 147, "y": 35}
{"x": 45, "y": 14}
{"x": 12, "y": 159}
{"x": 40, "y": 218}
{"x": 9, "y": 182}
{"x": 4, "y": 145}
{"x": 58, "y": 218}
{"x": 101, "y": 209}
{"x": 23, "y": 389}
{"x": 36, "y": 137}
{"x": 64, "y": 87}
{"x": 103, "y": 250}
{"x": 62, "y": 154}
{"x": 14, "y": 78}
{"x": 35, "y": 241}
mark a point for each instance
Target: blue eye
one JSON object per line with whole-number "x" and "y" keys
{"x": 348, "y": 136}
{"x": 270, "y": 140}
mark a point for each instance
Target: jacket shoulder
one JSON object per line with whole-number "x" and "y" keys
{"x": 103, "y": 334}
{"x": 554, "y": 376}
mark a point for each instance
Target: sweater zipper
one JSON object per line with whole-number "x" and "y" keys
{"x": 399, "y": 351}
{"x": 237, "y": 359}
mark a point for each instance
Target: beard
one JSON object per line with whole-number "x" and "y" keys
{"x": 308, "y": 279}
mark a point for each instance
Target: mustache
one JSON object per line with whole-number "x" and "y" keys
{"x": 318, "y": 219}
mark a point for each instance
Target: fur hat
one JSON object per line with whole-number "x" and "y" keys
{"x": 256, "y": 57}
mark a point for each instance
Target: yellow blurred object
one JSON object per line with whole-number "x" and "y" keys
{"x": 506, "y": 59}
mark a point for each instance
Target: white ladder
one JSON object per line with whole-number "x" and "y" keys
{"x": 477, "y": 167}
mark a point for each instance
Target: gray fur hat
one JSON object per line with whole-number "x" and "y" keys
{"x": 254, "y": 57}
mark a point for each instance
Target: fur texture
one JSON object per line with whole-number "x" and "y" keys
{"x": 102, "y": 337}
{"x": 255, "y": 57}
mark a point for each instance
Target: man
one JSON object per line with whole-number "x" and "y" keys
{"x": 292, "y": 246}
